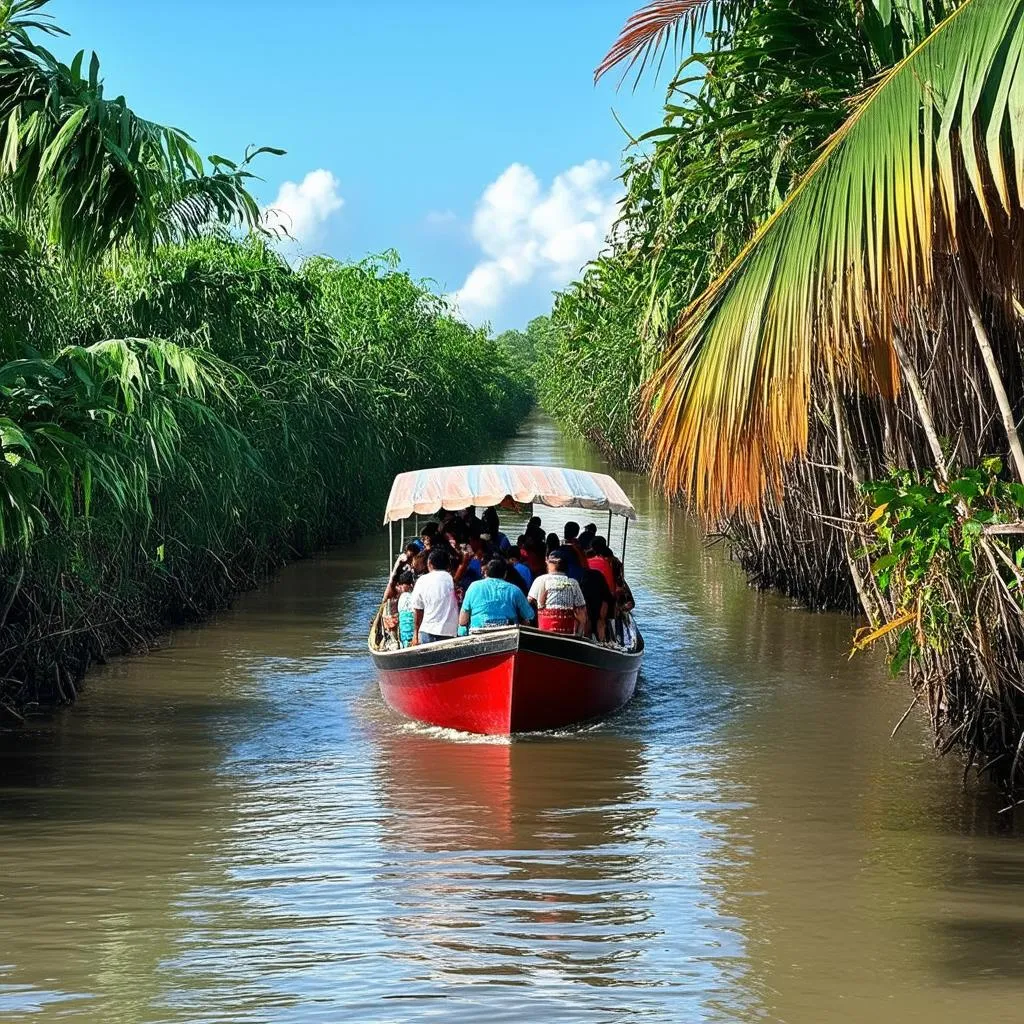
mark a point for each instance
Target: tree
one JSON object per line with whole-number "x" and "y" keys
{"x": 88, "y": 170}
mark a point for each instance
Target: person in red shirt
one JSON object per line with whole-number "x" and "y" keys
{"x": 600, "y": 558}
{"x": 532, "y": 551}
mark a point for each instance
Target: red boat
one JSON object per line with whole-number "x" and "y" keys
{"x": 516, "y": 678}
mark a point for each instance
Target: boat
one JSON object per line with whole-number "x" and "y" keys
{"x": 510, "y": 679}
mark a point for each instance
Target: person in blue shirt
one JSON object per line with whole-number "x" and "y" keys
{"x": 516, "y": 563}
{"x": 493, "y": 601}
{"x": 493, "y": 528}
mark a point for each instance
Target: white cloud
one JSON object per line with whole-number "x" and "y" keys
{"x": 301, "y": 209}
{"x": 441, "y": 218}
{"x": 527, "y": 233}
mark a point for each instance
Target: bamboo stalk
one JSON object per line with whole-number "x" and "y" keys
{"x": 998, "y": 387}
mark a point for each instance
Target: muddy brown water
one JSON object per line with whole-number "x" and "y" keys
{"x": 235, "y": 828}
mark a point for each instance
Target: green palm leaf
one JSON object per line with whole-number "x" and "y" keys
{"x": 88, "y": 170}
{"x": 823, "y": 283}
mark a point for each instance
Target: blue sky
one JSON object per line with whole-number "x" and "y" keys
{"x": 467, "y": 135}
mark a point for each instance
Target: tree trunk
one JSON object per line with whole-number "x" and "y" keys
{"x": 923, "y": 408}
{"x": 989, "y": 359}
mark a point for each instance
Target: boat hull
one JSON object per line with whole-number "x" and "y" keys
{"x": 512, "y": 680}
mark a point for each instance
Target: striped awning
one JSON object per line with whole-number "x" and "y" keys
{"x": 425, "y": 492}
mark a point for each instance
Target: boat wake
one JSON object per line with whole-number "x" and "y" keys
{"x": 438, "y": 732}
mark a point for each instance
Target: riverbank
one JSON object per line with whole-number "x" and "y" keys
{"x": 148, "y": 481}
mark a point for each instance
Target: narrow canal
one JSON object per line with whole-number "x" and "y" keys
{"x": 235, "y": 829}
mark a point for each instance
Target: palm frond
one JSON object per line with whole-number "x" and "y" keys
{"x": 88, "y": 169}
{"x": 823, "y": 284}
{"x": 650, "y": 33}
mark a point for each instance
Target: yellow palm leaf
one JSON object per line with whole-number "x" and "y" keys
{"x": 824, "y": 280}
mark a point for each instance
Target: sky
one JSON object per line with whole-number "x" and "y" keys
{"x": 468, "y": 136}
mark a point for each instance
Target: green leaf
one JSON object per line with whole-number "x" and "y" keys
{"x": 883, "y": 563}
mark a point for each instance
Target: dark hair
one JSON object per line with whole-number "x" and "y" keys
{"x": 521, "y": 540}
{"x": 490, "y": 518}
{"x": 438, "y": 558}
{"x": 513, "y": 575}
{"x": 457, "y": 528}
{"x": 572, "y": 531}
{"x": 495, "y": 569}
{"x": 553, "y": 542}
{"x": 600, "y": 546}
{"x": 406, "y": 578}
{"x": 429, "y": 530}
{"x": 590, "y": 528}
{"x": 557, "y": 559}
{"x": 411, "y": 546}
{"x": 534, "y": 523}
{"x": 513, "y": 553}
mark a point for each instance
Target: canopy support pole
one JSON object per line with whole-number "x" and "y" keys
{"x": 609, "y": 533}
{"x": 391, "y": 545}
{"x": 625, "y": 533}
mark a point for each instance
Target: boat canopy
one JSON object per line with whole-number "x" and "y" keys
{"x": 425, "y": 492}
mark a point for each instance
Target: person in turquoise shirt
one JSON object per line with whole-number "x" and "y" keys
{"x": 493, "y": 601}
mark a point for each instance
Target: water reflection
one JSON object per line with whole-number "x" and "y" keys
{"x": 237, "y": 829}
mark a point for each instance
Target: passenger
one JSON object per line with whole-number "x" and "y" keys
{"x": 404, "y": 560}
{"x": 472, "y": 558}
{"x": 456, "y": 532}
{"x": 572, "y": 540}
{"x": 519, "y": 566}
{"x": 471, "y": 520}
{"x": 406, "y": 613}
{"x": 428, "y": 535}
{"x": 533, "y": 554}
{"x": 419, "y": 565}
{"x": 600, "y": 602}
{"x": 534, "y": 530}
{"x": 494, "y": 601}
{"x": 575, "y": 560}
{"x": 492, "y": 526}
{"x": 512, "y": 575}
{"x": 552, "y": 543}
{"x": 558, "y": 599}
{"x": 623, "y": 595}
{"x": 600, "y": 558}
{"x": 587, "y": 537}
{"x": 456, "y": 543}
{"x": 435, "y": 610}
{"x": 484, "y": 547}
{"x": 389, "y": 614}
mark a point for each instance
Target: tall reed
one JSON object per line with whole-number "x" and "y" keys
{"x": 145, "y": 481}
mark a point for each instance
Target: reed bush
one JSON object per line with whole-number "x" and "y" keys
{"x": 247, "y": 414}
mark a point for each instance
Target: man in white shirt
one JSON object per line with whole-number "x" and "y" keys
{"x": 434, "y": 606}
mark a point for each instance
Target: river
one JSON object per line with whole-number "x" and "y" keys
{"x": 234, "y": 828}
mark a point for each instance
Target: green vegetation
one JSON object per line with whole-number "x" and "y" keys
{"x": 947, "y": 557}
{"x": 523, "y": 348}
{"x": 182, "y": 411}
{"x": 812, "y": 286}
